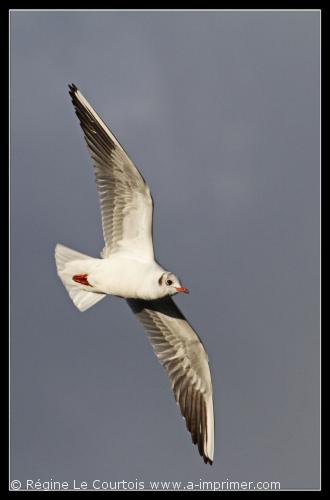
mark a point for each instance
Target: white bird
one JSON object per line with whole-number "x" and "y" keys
{"x": 127, "y": 268}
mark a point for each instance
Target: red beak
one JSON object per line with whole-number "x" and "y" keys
{"x": 182, "y": 289}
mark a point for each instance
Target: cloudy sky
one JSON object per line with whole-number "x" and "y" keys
{"x": 220, "y": 112}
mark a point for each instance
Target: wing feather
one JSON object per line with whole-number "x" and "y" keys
{"x": 125, "y": 199}
{"x": 182, "y": 354}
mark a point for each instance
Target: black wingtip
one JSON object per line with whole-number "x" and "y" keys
{"x": 207, "y": 460}
{"x": 73, "y": 89}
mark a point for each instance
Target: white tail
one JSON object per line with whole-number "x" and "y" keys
{"x": 65, "y": 258}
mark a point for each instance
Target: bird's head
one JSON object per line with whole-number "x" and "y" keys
{"x": 171, "y": 284}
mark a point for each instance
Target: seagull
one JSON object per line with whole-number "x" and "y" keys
{"x": 128, "y": 269}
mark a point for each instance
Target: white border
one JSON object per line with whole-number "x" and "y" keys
{"x": 320, "y": 142}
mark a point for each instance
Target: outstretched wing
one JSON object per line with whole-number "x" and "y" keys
{"x": 181, "y": 352}
{"x": 125, "y": 199}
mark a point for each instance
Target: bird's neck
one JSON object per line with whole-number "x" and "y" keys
{"x": 149, "y": 288}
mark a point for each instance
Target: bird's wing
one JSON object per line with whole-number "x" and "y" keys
{"x": 125, "y": 199}
{"x": 182, "y": 354}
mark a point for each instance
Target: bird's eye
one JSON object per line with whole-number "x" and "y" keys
{"x": 169, "y": 282}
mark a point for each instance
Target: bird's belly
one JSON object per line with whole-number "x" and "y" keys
{"x": 116, "y": 276}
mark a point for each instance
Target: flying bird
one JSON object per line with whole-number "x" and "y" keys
{"x": 128, "y": 269}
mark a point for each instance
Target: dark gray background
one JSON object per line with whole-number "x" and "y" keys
{"x": 220, "y": 111}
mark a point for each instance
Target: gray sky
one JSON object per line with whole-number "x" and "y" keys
{"x": 220, "y": 112}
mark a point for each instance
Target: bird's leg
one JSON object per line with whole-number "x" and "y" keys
{"x": 81, "y": 278}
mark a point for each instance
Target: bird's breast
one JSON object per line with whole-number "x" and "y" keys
{"x": 127, "y": 278}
